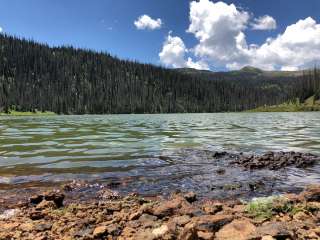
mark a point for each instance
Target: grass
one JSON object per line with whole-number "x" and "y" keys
{"x": 265, "y": 208}
{"x": 17, "y": 113}
{"x": 309, "y": 105}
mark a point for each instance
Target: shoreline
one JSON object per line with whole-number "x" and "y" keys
{"x": 56, "y": 214}
{"x": 84, "y": 210}
{"x": 269, "y": 109}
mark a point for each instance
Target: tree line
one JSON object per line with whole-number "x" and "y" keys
{"x": 65, "y": 80}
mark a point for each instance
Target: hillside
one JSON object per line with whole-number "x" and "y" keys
{"x": 35, "y": 77}
{"x": 310, "y": 104}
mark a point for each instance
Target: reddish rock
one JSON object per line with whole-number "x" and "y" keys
{"x": 36, "y": 215}
{"x": 312, "y": 193}
{"x": 167, "y": 208}
{"x": 205, "y": 235}
{"x": 274, "y": 229}
{"x": 237, "y": 229}
{"x": 100, "y": 231}
{"x": 46, "y": 204}
{"x": 209, "y": 223}
{"x": 212, "y": 208}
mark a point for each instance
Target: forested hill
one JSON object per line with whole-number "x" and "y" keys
{"x": 66, "y": 80}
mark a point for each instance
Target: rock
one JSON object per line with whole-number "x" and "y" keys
{"x": 55, "y": 197}
{"x": 145, "y": 234}
{"x": 275, "y": 161}
{"x": 237, "y": 229}
{"x": 135, "y": 215}
{"x": 205, "y": 235}
{"x": 83, "y": 233}
{"x": 114, "y": 206}
{"x": 190, "y": 197}
{"x": 10, "y": 213}
{"x": 43, "y": 227}
{"x": 36, "y": 215}
{"x": 107, "y": 194}
{"x": 127, "y": 233}
{"x": 221, "y": 171}
{"x": 312, "y": 193}
{"x": 180, "y": 220}
{"x": 100, "y": 231}
{"x": 68, "y": 188}
{"x": 268, "y": 238}
{"x": 274, "y": 229}
{"x": 147, "y": 220}
{"x": 301, "y": 216}
{"x": 9, "y": 226}
{"x": 189, "y": 232}
{"x": 159, "y": 232}
{"x": 213, "y": 208}
{"x": 313, "y": 206}
{"x": 239, "y": 209}
{"x": 168, "y": 208}
{"x": 36, "y": 199}
{"x": 113, "y": 229}
{"x": 26, "y": 227}
{"x": 46, "y": 205}
{"x": 211, "y": 222}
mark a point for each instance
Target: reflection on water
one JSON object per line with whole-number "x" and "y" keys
{"x": 126, "y": 148}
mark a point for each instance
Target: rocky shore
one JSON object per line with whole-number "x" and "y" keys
{"x": 50, "y": 215}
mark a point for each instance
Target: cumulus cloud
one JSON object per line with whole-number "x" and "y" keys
{"x": 174, "y": 54}
{"x": 1, "y": 29}
{"x": 220, "y": 31}
{"x": 296, "y": 48}
{"x": 218, "y": 28}
{"x": 264, "y": 23}
{"x": 146, "y": 22}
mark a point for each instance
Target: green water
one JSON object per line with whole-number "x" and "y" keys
{"x": 127, "y": 147}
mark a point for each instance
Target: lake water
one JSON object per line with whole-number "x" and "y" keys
{"x": 154, "y": 154}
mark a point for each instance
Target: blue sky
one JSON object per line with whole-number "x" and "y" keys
{"x": 108, "y": 25}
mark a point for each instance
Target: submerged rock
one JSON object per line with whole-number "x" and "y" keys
{"x": 47, "y": 198}
{"x": 275, "y": 161}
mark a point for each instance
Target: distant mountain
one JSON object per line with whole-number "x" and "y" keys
{"x": 246, "y": 72}
{"x": 35, "y": 77}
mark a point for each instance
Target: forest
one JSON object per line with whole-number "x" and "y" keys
{"x": 65, "y": 80}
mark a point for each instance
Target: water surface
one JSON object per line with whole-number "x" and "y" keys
{"x": 154, "y": 153}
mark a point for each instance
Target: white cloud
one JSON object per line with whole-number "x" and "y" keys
{"x": 220, "y": 31}
{"x": 1, "y": 29}
{"x": 264, "y": 23}
{"x": 173, "y": 54}
{"x": 146, "y": 22}
{"x": 218, "y": 28}
{"x": 298, "y": 47}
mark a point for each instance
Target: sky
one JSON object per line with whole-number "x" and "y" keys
{"x": 203, "y": 34}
